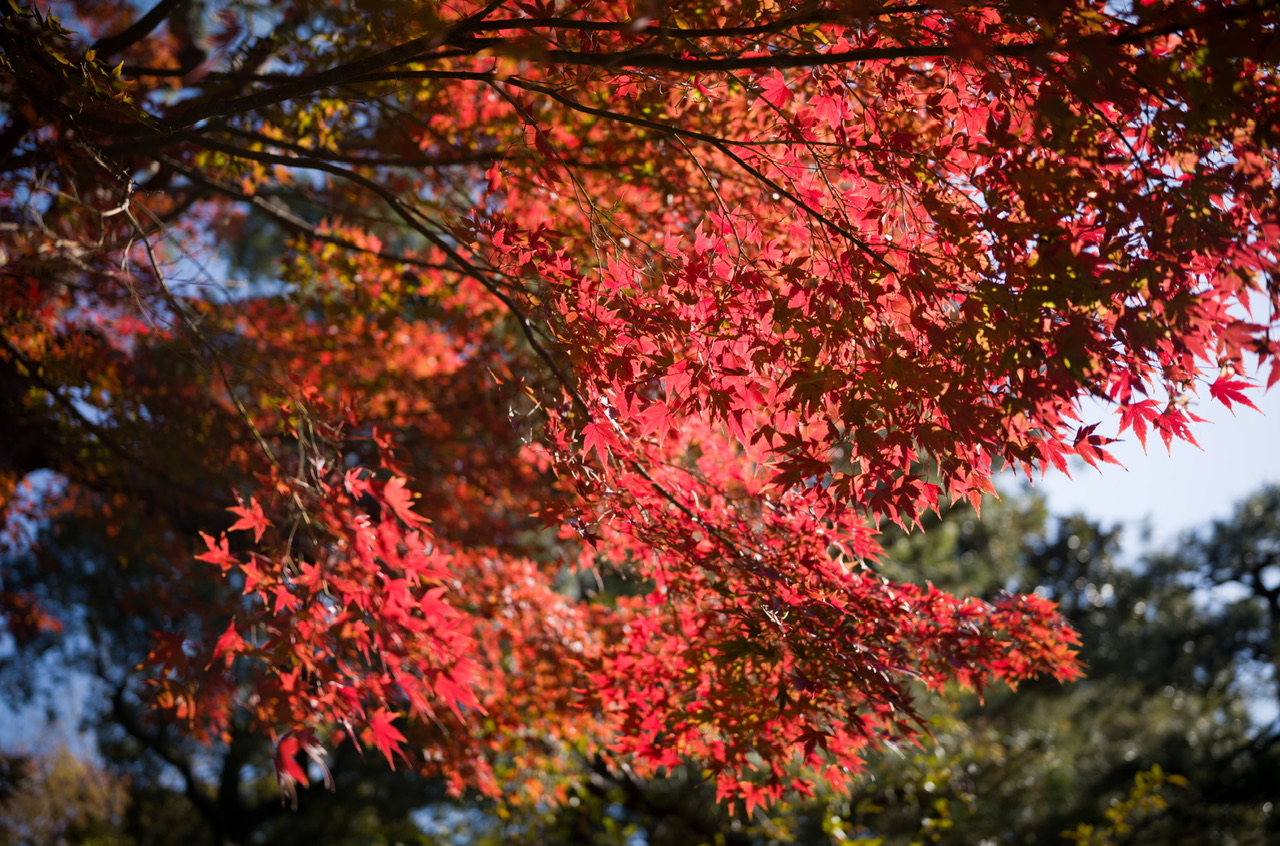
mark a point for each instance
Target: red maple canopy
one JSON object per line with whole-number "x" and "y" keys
{"x": 709, "y": 289}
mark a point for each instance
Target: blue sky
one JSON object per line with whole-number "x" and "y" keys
{"x": 1179, "y": 491}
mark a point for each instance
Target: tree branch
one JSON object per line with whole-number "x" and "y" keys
{"x": 136, "y": 31}
{"x": 414, "y": 222}
{"x": 128, "y": 720}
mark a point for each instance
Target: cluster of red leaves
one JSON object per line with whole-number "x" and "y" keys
{"x": 716, "y": 294}
{"x": 766, "y": 637}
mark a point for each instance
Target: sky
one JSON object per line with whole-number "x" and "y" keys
{"x": 1181, "y": 490}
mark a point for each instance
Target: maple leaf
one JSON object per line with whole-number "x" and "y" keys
{"x": 384, "y": 736}
{"x": 1173, "y": 423}
{"x": 774, "y": 90}
{"x": 288, "y": 770}
{"x": 1139, "y": 415}
{"x": 219, "y": 552}
{"x": 455, "y": 696}
{"x": 400, "y": 500}
{"x": 229, "y": 643}
{"x": 599, "y": 437}
{"x": 1226, "y": 391}
{"x": 251, "y": 519}
{"x": 357, "y": 482}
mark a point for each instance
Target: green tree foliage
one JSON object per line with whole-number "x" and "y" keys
{"x": 1146, "y": 797}
{"x": 61, "y": 800}
{"x": 1169, "y": 683}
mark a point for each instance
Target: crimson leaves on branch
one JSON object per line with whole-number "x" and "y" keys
{"x": 548, "y": 293}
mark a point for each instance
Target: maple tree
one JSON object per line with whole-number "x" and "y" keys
{"x": 691, "y": 295}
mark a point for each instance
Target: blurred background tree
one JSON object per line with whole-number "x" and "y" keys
{"x": 1173, "y": 680}
{"x": 59, "y": 800}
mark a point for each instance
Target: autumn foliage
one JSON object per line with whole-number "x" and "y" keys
{"x": 596, "y": 341}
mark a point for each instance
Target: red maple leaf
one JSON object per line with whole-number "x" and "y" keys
{"x": 219, "y": 552}
{"x": 384, "y": 736}
{"x": 599, "y": 437}
{"x": 774, "y": 90}
{"x": 1226, "y": 391}
{"x": 288, "y": 770}
{"x": 400, "y": 500}
{"x": 251, "y": 519}
{"x": 229, "y": 643}
{"x": 1139, "y": 415}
